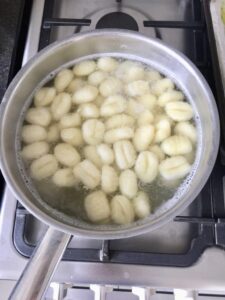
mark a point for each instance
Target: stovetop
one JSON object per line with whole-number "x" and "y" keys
{"x": 183, "y": 25}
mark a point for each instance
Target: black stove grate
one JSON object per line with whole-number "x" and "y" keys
{"x": 211, "y": 222}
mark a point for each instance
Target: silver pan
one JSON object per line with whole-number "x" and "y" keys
{"x": 121, "y": 43}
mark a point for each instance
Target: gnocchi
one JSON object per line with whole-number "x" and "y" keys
{"x": 97, "y": 206}
{"x": 125, "y": 154}
{"x": 122, "y": 211}
{"x": 93, "y": 131}
{"x": 109, "y": 129}
{"x": 74, "y": 85}
{"x": 141, "y": 205}
{"x": 60, "y": 106}
{"x": 170, "y": 96}
{"x": 116, "y": 134}
{"x": 35, "y": 150}
{"x": 43, "y": 167}
{"x": 87, "y": 173}
{"x": 137, "y": 88}
{"x": 38, "y": 116}
{"x": 120, "y": 120}
{"x": 84, "y": 68}
{"x": 148, "y": 100}
{"x": 53, "y": 133}
{"x": 186, "y": 129}
{"x": 105, "y": 153}
{"x": 96, "y": 78}
{"x": 64, "y": 178}
{"x": 63, "y": 79}
{"x": 176, "y": 145}
{"x": 88, "y": 111}
{"x": 72, "y": 136}
{"x": 33, "y": 133}
{"x": 175, "y": 167}
{"x": 87, "y": 93}
{"x": 128, "y": 183}
{"x": 145, "y": 118}
{"x": 113, "y": 105}
{"x": 143, "y": 137}
{"x": 44, "y": 96}
{"x": 70, "y": 120}
{"x": 107, "y": 64}
{"x": 146, "y": 166}
{"x": 66, "y": 154}
{"x": 109, "y": 179}
{"x": 90, "y": 153}
{"x": 162, "y": 85}
{"x": 110, "y": 86}
{"x": 179, "y": 111}
{"x": 162, "y": 130}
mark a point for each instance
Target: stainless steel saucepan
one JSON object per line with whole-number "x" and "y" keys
{"x": 121, "y": 43}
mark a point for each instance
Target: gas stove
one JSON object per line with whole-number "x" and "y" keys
{"x": 186, "y": 254}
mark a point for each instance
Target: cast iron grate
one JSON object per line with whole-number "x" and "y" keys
{"x": 211, "y": 224}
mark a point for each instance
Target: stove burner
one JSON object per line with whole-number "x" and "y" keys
{"x": 117, "y": 20}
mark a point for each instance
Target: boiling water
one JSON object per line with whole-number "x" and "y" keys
{"x": 70, "y": 201}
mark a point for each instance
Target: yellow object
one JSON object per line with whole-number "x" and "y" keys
{"x": 223, "y": 11}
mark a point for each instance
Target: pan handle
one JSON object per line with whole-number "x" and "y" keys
{"x": 38, "y": 272}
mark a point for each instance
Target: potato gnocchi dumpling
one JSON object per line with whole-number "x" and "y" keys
{"x": 35, "y": 150}
{"x": 122, "y": 211}
{"x": 125, "y": 154}
{"x": 179, "y": 111}
{"x": 176, "y": 145}
{"x": 146, "y": 166}
{"x": 93, "y": 131}
{"x": 97, "y": 206}
{"x": 87, "y": 173}
{"x": 107, "y": 64}
{"x": 43, "y": 167}
{"x": 148, "y": 100}
{"x": 84, "y": 68}
{"x": 137, "y": 88}
{"x": 112, "y": 130}
{"x": 186, "y": 129}
{"x": 120, "y": 120}
{"x": 128, "y": 183}
{"x": 63, "y": 79}
{"x": 141, "y": 205}
{"x": 89, "y": 111}
{"x": 96, "y": 78}
{"x": 109, "y": 179}
{"x": 74, "y": 85}
{"x": 105, "y": 153}
{"x": 53, "y": 133}
{"x": 113, "y": 105}
{"x": 60, "y": 106}
{"x": 66, "y": 155}
{"x": 38, "y": 116}
{"x": 44, "y": 96}
{"x": 64, "y": 178}
{"x": 86, "y": 93}
{"x": 33, "y": 133}
{"x": 116, "y": 134}
{"x": 145, "y": 118}
{"x": 110, "y": 86}
{"x": 70, "y": 120}
{"x": 90, "y": 153}
{"x": 72, "y": 136}
{"x": 175, "y": 167}
{"x": 143, "y": 137}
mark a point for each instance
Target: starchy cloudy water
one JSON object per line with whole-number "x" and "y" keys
{"x": 108, "y": 140}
